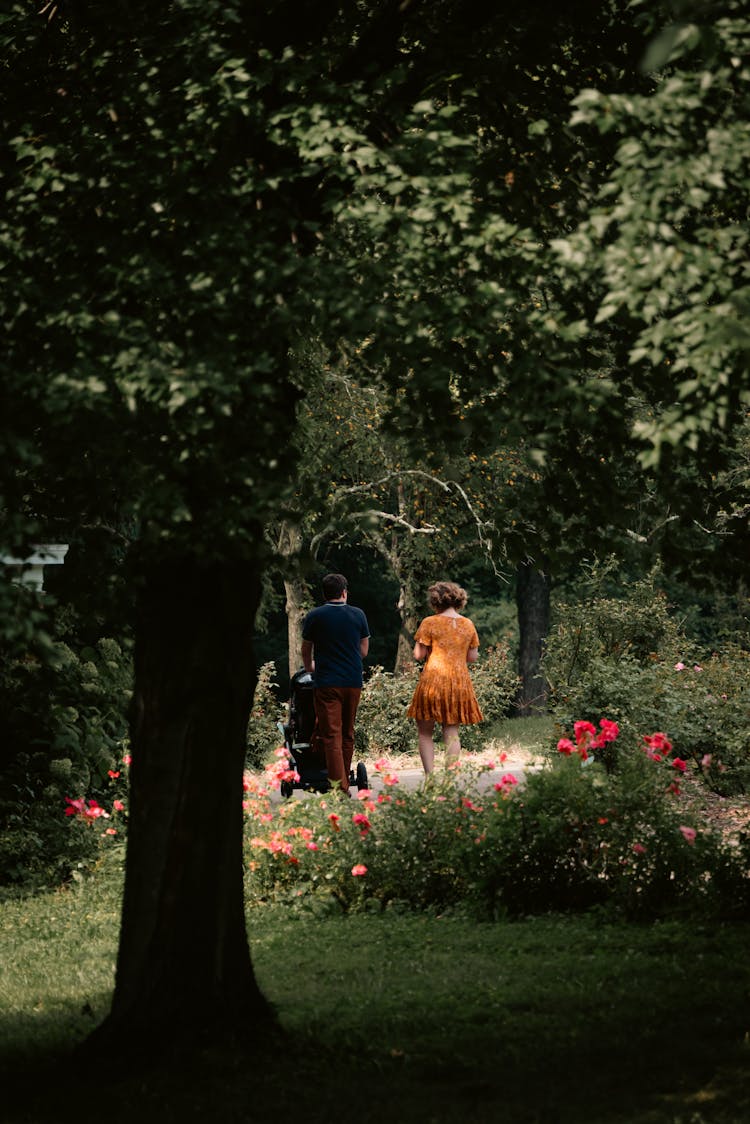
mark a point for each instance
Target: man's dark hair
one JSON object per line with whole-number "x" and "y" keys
{"x": 333, "y": 586}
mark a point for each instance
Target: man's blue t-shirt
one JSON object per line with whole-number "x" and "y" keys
{"x": 335, "y": 630}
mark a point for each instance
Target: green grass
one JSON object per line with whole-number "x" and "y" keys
{"x": 401, "y": 1017}
{"x": 518, "y": 737}
{"x": 527, "y": 735}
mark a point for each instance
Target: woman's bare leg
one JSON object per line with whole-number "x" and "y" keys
{"x": 452, "y": 744}
{"x": 426, "y": 744}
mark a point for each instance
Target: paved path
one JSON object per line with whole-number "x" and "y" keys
{"x": 412, "y": 778}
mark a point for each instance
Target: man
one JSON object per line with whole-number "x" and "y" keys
{"x": 335, "y": 640}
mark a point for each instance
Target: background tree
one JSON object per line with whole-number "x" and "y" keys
{"x": 665, "y": 243}
{"x": 358, "y": 483}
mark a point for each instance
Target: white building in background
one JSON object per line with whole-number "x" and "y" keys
{"x": 31, "y": 569}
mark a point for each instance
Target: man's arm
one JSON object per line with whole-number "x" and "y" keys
{"x": 364, "y": 646}
{"x": 307, "y": 655}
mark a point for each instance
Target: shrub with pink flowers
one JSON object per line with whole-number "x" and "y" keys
{"x": 97, "y": 825}
{"x": 63, "y": 723}
{"x": 621, "y": 840}
{"x": 626, "y": 657}
{"x": 387, "y": 847}
{"x": 588, "y": 740}
{"x": 89, "y": 811}
{"x": 707, "y": 715}
{"x": 571, "y": 836}
{"x": 704, "y": 706}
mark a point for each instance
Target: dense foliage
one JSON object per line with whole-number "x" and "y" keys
{"x": 63, "y": 730}
{"x": 667, "y": 236}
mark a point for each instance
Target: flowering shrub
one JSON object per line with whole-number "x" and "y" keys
{"x": 80, "y": 827}
{"x": 584, "y": 836}
{"x": 627, "y": 658}
{"x": 657, "y": 747}
{"x": 62, "y": 728}
{"x": 383, "y": 847}
{"x": 87, "y": 810}
{"x": 92, "y": 825}
{"x": 90, "y": 811}
{"x": 587, "y": 739}
{"x": 704, "y": 706}
{"x": 572, "y": 836}
{"x": 707, "y": 711}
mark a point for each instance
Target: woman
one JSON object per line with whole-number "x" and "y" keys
{"x": 445, "y": 694}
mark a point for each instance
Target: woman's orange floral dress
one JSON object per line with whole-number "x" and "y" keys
{"x": 445, "y": 692}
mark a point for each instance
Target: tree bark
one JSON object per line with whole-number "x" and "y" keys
{"x": 409, "y": 614}
{"x": 533, "y": 605}
{"x": 296, "y": 598}
{"x": 183, "y": 971}
{"x": 297, "y": 593}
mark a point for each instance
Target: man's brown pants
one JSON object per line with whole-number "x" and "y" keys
{"x": 335, "y": 711}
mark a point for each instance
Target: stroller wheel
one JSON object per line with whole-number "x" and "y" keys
{"x": 361, "y": 776}
{"x": 287, "y": 788}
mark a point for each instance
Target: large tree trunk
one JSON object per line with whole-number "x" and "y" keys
{"x": 533, "y": 604}
{"x": 183, "y": 969}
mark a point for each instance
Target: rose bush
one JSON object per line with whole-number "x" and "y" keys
{"x": 627, "y": 658}
{"x": 572, "y": 836}
{"x": 63, "y": 728}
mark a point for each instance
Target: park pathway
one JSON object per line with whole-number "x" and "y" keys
{"x": 411, "y": 779}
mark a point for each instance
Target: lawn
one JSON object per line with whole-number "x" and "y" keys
{"x": 399, "y": 1017}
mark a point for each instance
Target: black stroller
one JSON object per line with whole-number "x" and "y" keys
{"x": 300, "y": 741}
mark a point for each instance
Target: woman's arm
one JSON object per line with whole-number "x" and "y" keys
{"x": 421, "y": 651}
{"x": 472, "y": 655}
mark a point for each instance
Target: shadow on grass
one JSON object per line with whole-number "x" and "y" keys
{"x": 503, "y": 1068}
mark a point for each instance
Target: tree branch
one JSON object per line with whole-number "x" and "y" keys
{"x": 447, "y": 486}
{"x": 387, "y": 517}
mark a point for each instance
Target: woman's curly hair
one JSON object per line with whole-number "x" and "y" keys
{"x": 446, "y": 595}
